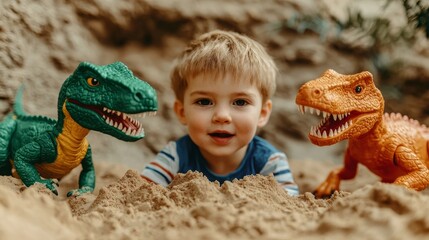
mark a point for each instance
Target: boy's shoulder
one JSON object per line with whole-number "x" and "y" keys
{"x": 262, "y": 144}
{"x": 257, "y": 144}
{"x": 261, "y": 151}
{"x": 184, "y": 140}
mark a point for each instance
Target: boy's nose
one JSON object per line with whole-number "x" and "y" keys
{"x": 221, "y": 115}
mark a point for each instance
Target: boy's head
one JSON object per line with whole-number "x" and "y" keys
{"x": 223, "y": 84}
{"x": 218, "y": 53}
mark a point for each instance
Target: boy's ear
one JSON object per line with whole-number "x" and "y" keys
{"x": 265, "y": 113}
{"x": 180, "y": 111}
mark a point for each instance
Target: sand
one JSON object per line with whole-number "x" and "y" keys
{"x": 191, "y": 207}
{"x": 41, "y": 42}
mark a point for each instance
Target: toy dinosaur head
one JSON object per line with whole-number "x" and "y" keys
{"x": 107, "y": 99}
{"x": 350, "y": 106}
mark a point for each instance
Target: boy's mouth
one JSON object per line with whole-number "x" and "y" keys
{"x": 221, "y": 134}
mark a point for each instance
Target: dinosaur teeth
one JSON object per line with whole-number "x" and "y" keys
{"x": 303, "y": 109}
{"x": 127, "y": 123}
{"x": 331, "y": 125}
{"x": 325, "y": 114}
{"x": 315, "y": 131}
{"x": 134, "y": 127}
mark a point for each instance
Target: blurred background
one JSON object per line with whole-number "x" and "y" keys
{"x": 42, "y": 42}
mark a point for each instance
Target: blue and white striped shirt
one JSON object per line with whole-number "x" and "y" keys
{"x": 183, "y": 155}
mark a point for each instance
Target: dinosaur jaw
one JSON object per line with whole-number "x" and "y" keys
{"x": 333, "y": 127}
{"x": 124, "y": 123}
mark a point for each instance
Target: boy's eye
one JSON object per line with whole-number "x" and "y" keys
{"x": 204, "y": 102}
{"x": 240, "y": 102}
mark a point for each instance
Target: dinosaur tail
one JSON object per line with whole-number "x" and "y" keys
{"x": 18, "y": 109}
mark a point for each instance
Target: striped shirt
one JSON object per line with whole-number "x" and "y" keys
{"x": 183, "y": 155}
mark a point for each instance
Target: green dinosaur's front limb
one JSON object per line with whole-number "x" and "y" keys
{"x": 24, "y": 161}
{"x": 87, "y": 176}
{"x": 7, "y": 128}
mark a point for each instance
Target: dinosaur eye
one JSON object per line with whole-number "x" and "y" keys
{"x": 92, "y": 82}
{"x": 358, "y": 89}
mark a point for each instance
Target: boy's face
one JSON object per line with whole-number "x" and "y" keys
{"x": 222, "y": 115}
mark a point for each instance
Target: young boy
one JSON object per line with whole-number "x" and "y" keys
{"x": 223, "y": 83}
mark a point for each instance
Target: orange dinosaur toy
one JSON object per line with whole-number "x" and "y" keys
{"x": 392, "y": 146}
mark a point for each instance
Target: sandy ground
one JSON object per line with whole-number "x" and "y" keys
{"x": 41, "y": 42}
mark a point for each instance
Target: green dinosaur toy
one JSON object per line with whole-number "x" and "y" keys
{"x": 100, "y": 98}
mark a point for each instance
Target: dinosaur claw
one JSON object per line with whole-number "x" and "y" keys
{"x": 56, "y": 182}
{"x": 49, "y": 183}
{"x": 320, "y": 196}
{"x": 74, "y": 192}
{"x": 82, "y": 190}
{"x": 323, "y": 195}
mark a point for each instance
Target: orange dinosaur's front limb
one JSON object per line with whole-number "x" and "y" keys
{"x": 417, "y": 176}
{"x": 332, "y": 182}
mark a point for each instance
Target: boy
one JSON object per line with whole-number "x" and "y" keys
{"x": 223, "y": 83}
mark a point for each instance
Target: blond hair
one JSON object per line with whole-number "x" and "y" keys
{"x": 219, "y": 52}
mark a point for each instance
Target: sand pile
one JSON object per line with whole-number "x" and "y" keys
{"x": 194, "y": 208}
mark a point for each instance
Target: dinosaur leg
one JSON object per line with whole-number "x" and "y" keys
{"x": 332, "y": 182}
{"x": 417, "y": 176}
{"x": 25, "y": 159}
{"x": 7, "y": 128}
{"x": 87, "y": 176}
